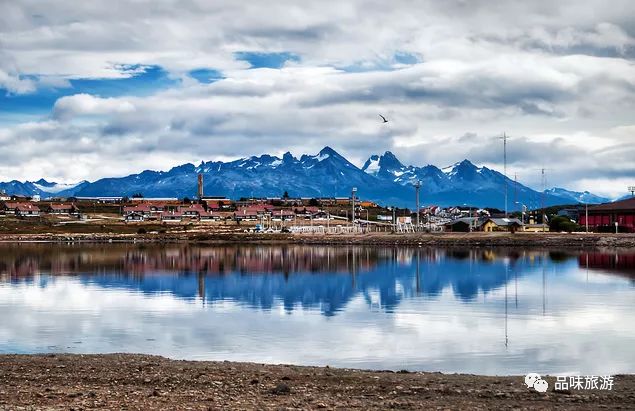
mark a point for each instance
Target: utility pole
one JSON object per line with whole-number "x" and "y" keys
{"x": 542, "y": 197}
{"x": 515, "y": 188}
{"x": 504, "y": 138}
{"x": 417, "y": 187}
{"x": 586, "y": 217}
{"x": 353, "y": 201}
{"x": 632, "y": 190}
{"x": 394, "y": 221}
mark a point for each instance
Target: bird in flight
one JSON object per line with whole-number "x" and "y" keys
{"x": 383, "y": 118}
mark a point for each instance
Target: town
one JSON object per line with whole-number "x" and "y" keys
{"x": 312, "y": 215}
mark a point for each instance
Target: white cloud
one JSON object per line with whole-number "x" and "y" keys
{"x": 559, "y": 77}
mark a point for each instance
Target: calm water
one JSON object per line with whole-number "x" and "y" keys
{"x": 488, "y": 311}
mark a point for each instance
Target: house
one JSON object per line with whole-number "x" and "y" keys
{"x": 211, "y": 216}
{"x": 27, "y": 210}
{"x": 462, "y": 225}
{"x": 9, "y": 207}
{"x": 248, "y": 214}
{"x": 4, "y": 196}
{"x": 103, "y": 200}
{"x": 217, "y": 203}
{"x": 501, "y": 224}
{"x": 134, "y": 216}
{"x": 62, "y": 209}
{"x": 306, "y": 211}
{"x": 174, "y": 217}
{"x": 253, "y": 212}
{"x": 320, "y": 215}
{"x": 143, "y": 209}
{"x": 193, "y": 211}
{"x": 604, "y": 217}
{"x": 282, "y": 215}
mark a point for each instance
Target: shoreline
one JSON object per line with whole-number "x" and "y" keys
{"x": 113, "y": 381}
{"x": 477, "y": 240}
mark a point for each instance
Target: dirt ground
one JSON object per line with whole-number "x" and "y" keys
{"x": 125, "y": 381}
{"x": 214, "y": 235}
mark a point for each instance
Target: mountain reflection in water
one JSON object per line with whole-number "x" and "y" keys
{"x": 236, "y": 273}
{"x": 420, "y": 308}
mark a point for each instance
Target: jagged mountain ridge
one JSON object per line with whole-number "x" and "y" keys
{"x": 383, "y": 179}
{"x": 41, "y": 187}
{"x": 577, "y": 196}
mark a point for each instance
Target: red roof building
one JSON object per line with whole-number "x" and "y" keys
{"x": 604, "y": 216}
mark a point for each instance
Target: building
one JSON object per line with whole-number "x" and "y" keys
{"x": 604, "y": 217}
{"x": 4, "y": 196}
{"x": 9, "y": 207}
{"x": 462, "y": 225}
{"x": 282, "y": 215}
{"x": 134, "y": 216}
{"x": 27, "y": 210}
{"x": 501, "y": 224}
{"x": 144, "y": 210}
{"x": 216, "y": 203}
{"x": 211, "y": 216}
{"x": 103, "y": 200}
{"x": 193, "y": 211}
{"x": 62, "y": 209}
{"x": 172, "y": 217}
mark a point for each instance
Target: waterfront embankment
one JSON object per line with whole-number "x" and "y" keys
{"x": 536, "y": 240}
{"x": 126, "y": 381}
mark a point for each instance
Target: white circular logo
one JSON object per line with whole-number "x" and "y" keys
{"x": 533, "y": 380}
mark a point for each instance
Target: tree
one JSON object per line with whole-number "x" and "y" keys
{"x": 314, "y": 202}
{"x": 137, "y": 195}
{"x": 285, "y": 195}
{"x": 186, "y": 200}
{"x": 560, "y": 223}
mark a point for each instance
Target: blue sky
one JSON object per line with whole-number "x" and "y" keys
{"x": 149, "y": 85}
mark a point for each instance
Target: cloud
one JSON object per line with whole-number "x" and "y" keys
{"x": 559, "y": 77}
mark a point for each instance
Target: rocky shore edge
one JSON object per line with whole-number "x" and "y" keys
{"x": 131, "y": 381}
{"x": 540, "y": 240}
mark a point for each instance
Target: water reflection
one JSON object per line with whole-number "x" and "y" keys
{"x": 487, "y": 311}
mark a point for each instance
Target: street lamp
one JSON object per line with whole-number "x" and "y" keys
{"x": 417, "y": 188}
{"x": 522, "y": 212}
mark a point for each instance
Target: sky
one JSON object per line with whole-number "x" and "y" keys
{"x": 101, "y": 89}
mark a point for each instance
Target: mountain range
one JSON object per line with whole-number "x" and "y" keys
{"x": 383, "y": 178}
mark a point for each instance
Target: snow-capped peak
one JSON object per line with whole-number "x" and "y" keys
{"x": 45, "y": 186}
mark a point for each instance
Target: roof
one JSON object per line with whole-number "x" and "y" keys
{"x": 283, "y": 213}
{"x": 62, "y": 206}
{"x": 504, "y": 221}
{"x": 194, "y": 207}
{"x": 169, "y": 215}
{"x": 138, "y": 208}
{"x": 464, "y": 220}
{"x": 12, "y": 205}
{"x": 27, "y": 207}
{"x": 628, "y": 204}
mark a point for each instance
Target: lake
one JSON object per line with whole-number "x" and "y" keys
{"x": 486, "y": 311}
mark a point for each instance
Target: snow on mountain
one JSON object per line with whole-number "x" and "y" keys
{"x": 41, "y": 187}
{"x": 54, "y": 188}
{"x": 576, "y": 196}
{"x": 383, "y": 178}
